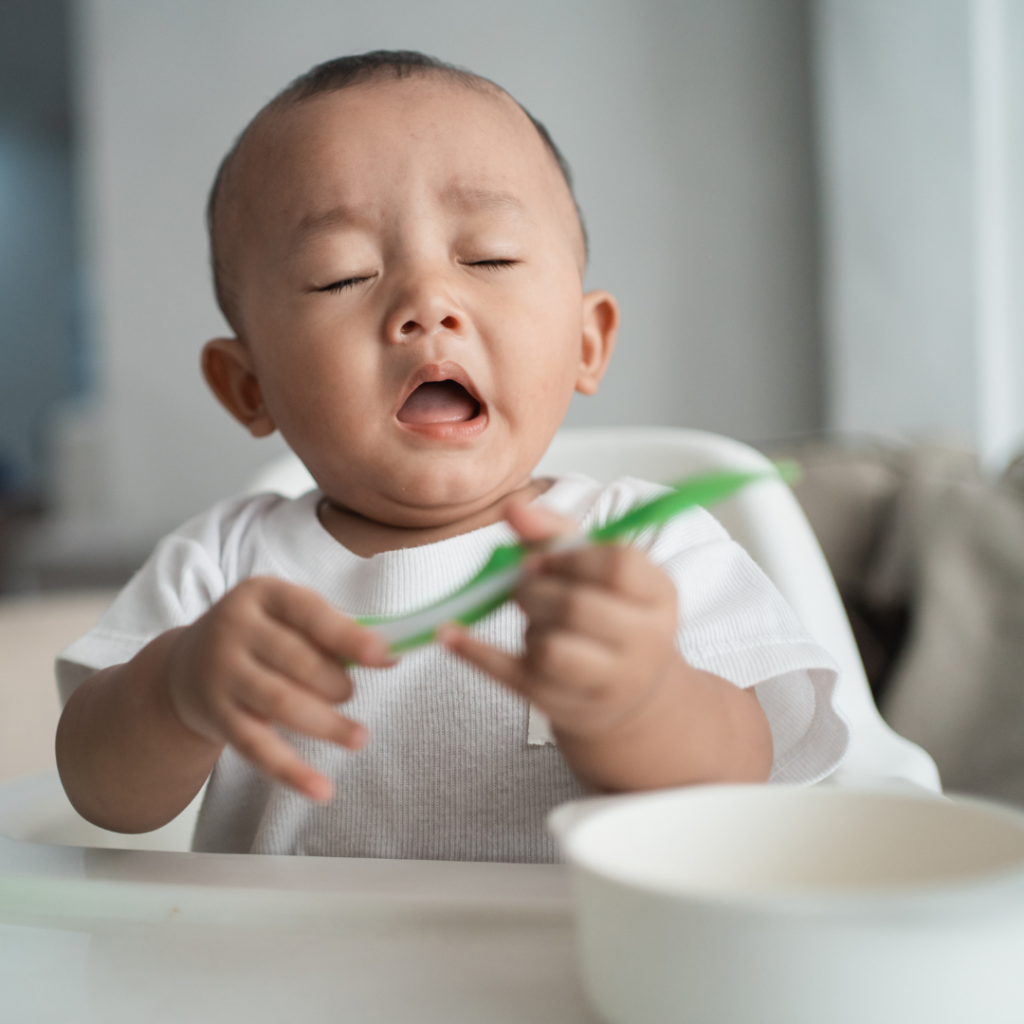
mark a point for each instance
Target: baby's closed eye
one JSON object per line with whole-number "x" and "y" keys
{"x": 347, "y": 282}
{"x": 494, "y": 264}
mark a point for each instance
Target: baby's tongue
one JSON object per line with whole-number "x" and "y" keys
{"x": 441, "y": 401}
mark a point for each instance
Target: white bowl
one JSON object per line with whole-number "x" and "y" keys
{"x": 777, "y": 905}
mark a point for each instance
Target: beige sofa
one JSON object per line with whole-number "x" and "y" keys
{"x": 928, "y": 552}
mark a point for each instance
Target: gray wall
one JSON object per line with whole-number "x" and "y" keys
{"x": 921, "y": 106}
{"x": 687, "y": 124}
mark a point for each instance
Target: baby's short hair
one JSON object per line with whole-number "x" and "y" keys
{"x": 342, "y": 73}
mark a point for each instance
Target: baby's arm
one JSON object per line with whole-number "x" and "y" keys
{"x": 136, "y": 741}
{"x": 628, "y": 711}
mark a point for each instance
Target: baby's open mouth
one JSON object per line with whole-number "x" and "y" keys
{"x": 439, "y": 401}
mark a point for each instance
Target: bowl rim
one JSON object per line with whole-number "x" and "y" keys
{"x": 999, "y": 891}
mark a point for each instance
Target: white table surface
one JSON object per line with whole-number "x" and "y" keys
{"x": 91, "y": 936}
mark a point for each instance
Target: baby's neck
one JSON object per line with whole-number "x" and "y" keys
{"x": 367, "y": 537}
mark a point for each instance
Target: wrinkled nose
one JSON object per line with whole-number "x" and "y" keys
{"x": 426, "y": 308}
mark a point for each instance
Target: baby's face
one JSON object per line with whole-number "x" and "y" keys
{"x": 408, "y": 272}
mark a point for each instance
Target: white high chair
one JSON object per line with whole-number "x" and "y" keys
{"x": 767, "y": 520}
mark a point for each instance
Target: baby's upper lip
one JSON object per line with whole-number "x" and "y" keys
{"x": 430, "y": 372}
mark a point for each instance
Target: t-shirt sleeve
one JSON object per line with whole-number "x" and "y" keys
{"x": 180, "y": 580}
{"x": 734, "y": 622}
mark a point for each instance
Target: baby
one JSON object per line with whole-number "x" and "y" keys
{"x": 398, "y": 252}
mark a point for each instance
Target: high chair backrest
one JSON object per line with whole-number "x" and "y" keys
{"x": 767, "y": 520}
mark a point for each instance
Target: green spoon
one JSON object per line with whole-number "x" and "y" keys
{"x": 494, "y": 583}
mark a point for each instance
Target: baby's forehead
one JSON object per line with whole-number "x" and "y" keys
{"x": 466, "y": 122}
{"x": 293, "y": 156}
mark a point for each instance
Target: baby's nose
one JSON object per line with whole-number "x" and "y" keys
{"x": 424, "y": 306}
{"x": 410, "y": 327}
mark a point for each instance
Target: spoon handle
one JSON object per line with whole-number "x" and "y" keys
{"x": 494, "y": 584}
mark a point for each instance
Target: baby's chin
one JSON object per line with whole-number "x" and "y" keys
{"x": 433, "y": 497}
{"x": 436, "y": 505}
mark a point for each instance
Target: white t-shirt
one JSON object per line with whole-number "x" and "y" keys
{"x": 447, "y": 772}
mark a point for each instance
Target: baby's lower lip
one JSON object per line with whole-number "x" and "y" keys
{"x": 451, "y": 430}
{"x": 439, "y": 402}
{"x": 444, "y": 411}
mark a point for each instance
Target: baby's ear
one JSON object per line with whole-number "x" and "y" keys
{"x": 228, "y": 369}
{"x": 600, "y": 327}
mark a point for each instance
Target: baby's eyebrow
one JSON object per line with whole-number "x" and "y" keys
{"x": 461, "y": 197}
{"x": 476, "y": 197}
{"x": 324, "y": 219}
{"x": 319, "y": 221}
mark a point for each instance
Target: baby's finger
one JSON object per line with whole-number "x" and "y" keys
{"x": 257, "y": 742}
{"x": 623, "y": 570}
{"x": 535, "y": 523}
{"x": 570, "y": 663}
{"x": 289, "y": 654}
{"x": 501, "y": 666}
{"x": 271, "y": 697}
{"x": 313, "y": 617}
{"x": 552, "y": 603}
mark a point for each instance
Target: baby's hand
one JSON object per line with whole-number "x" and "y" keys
{"x": 269, "y": 653}
{"x": 600, "y": 642}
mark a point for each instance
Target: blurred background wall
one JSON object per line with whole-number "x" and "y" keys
{"x": 920, "y": 137}
{"x": 809, "y": 210}
{"x": 41, "y": 350}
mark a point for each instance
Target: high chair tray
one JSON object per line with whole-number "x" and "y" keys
{"x": 93, "y": 936}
